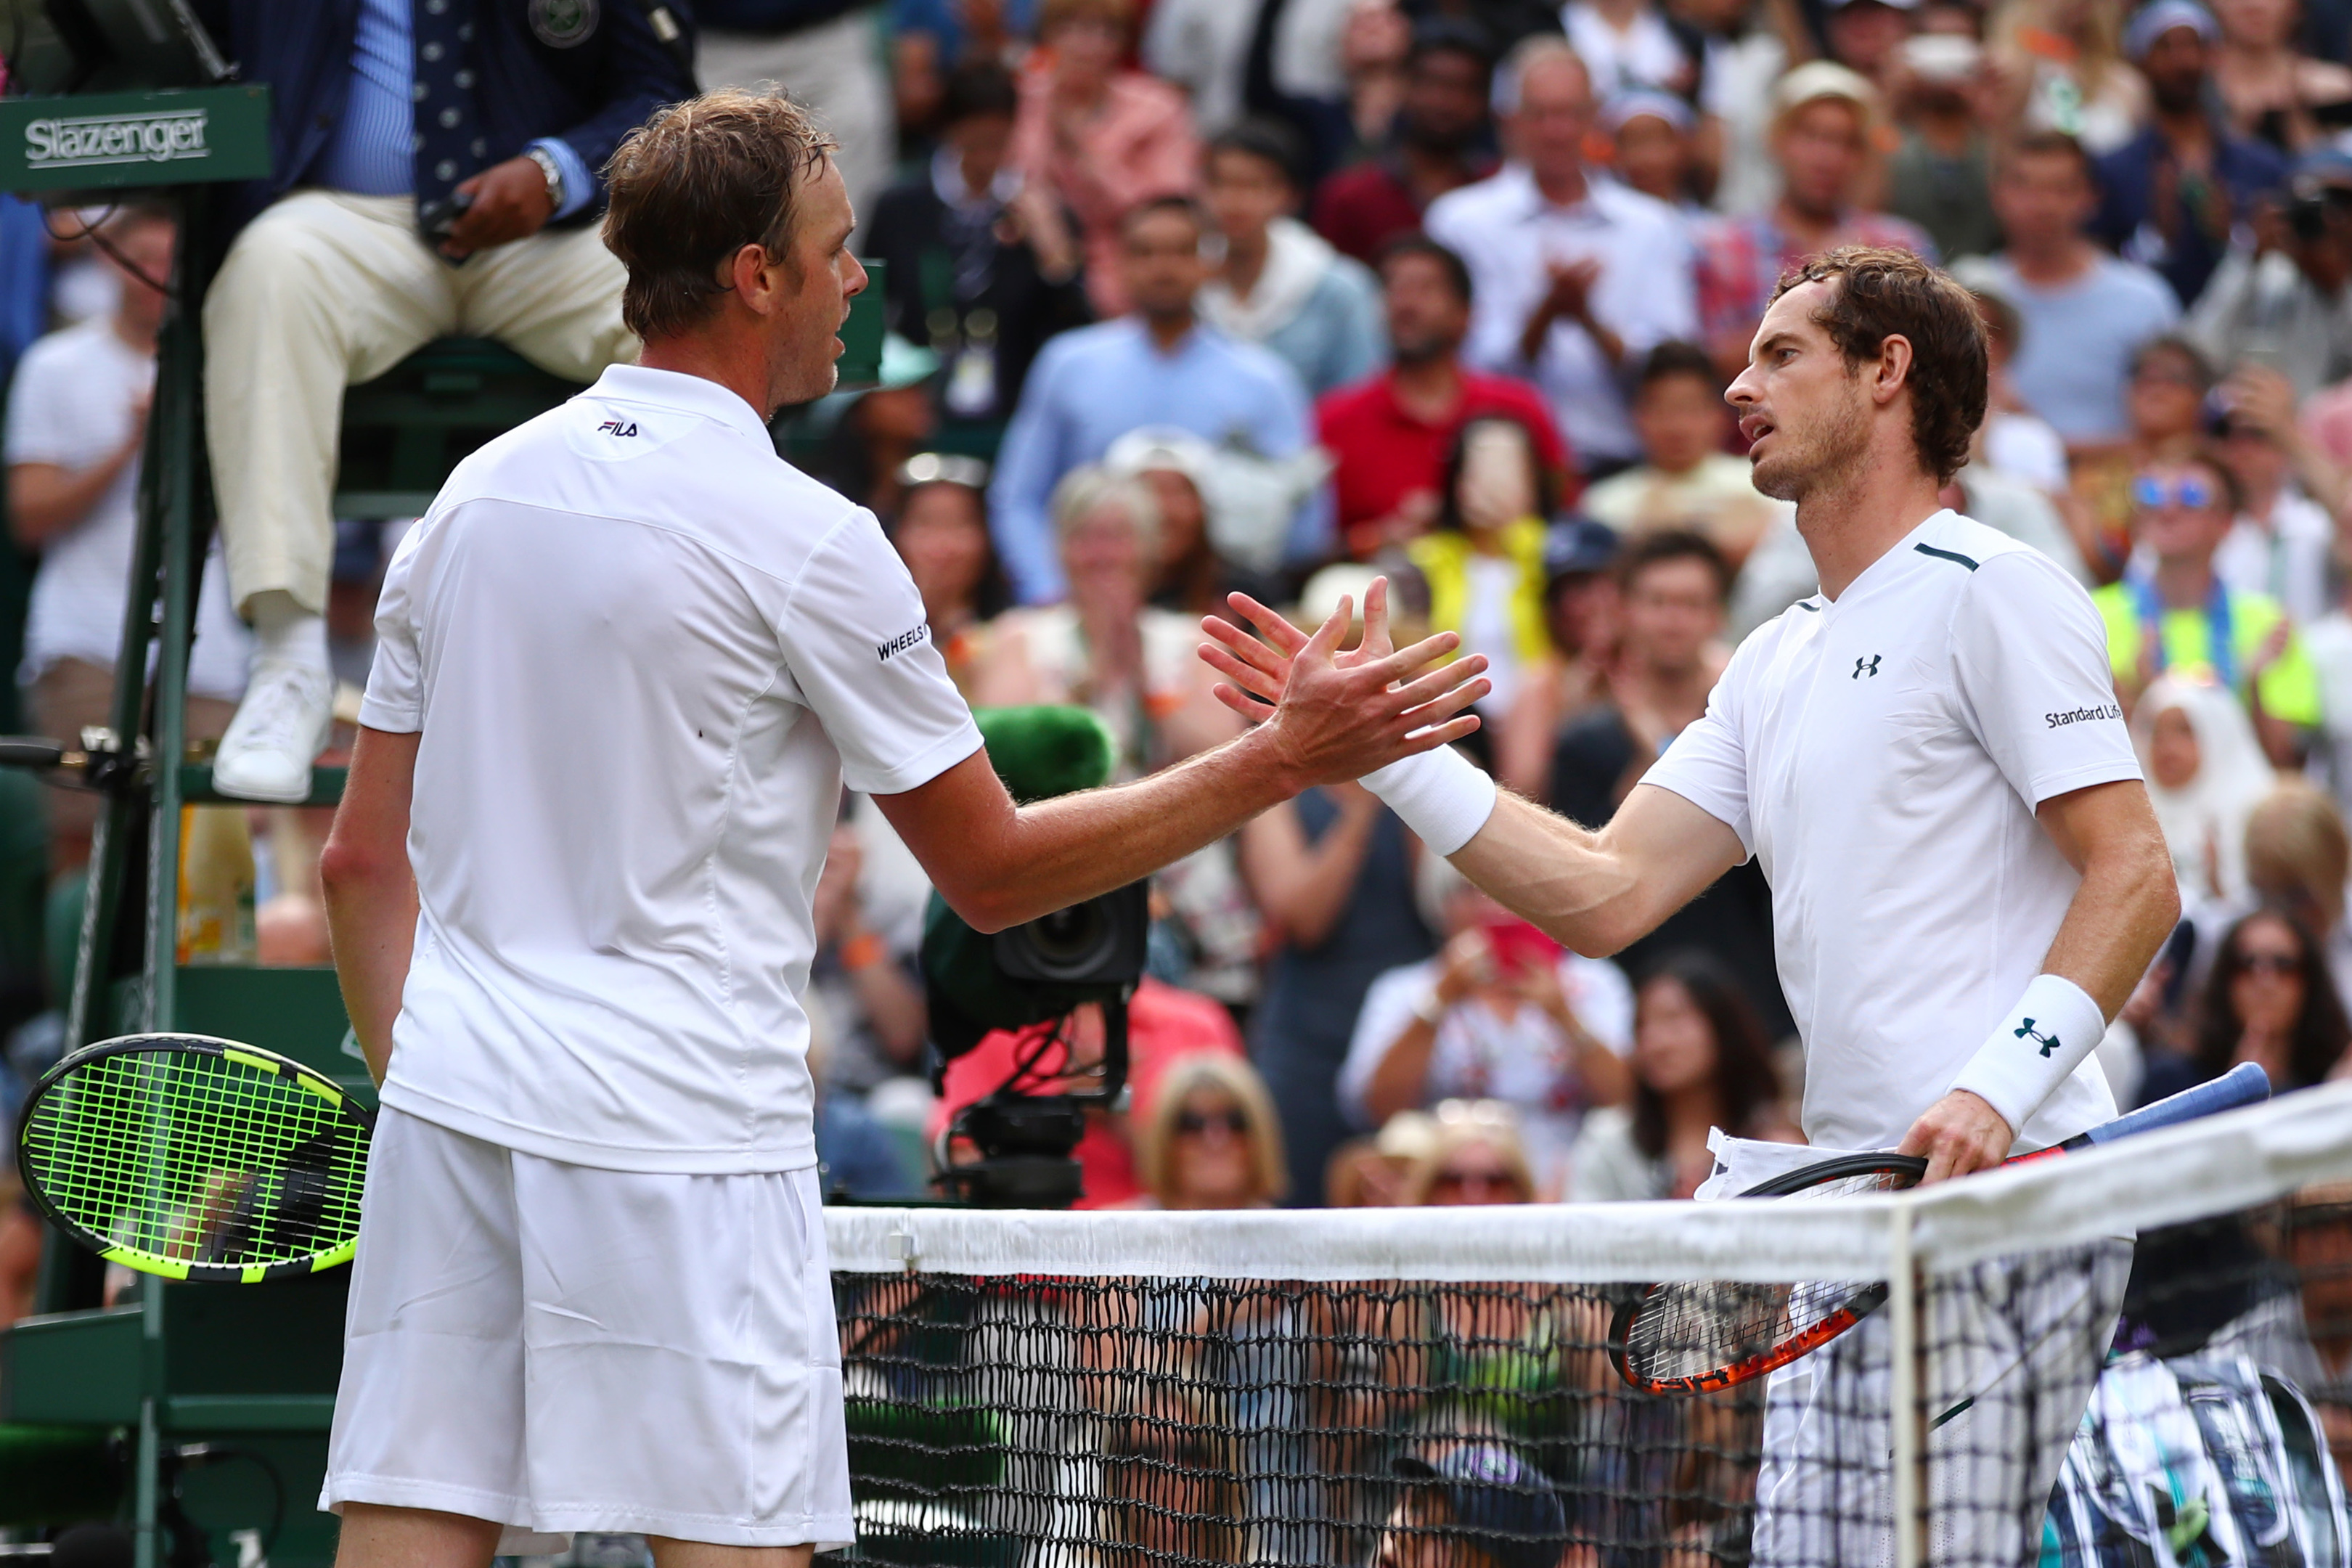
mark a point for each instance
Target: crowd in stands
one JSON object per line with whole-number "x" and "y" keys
{"x": 1187, "y": 296}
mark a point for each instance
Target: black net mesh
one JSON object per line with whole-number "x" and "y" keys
{"x": 2085, "y": 1405}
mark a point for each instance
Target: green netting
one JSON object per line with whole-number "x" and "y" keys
{"x": 196, "y": 1160}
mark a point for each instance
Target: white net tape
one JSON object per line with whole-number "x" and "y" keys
{"x": 2229, "y": 1161}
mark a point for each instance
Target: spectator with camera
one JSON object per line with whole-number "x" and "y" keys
{"x": 1502, "y": 1013}
{"x": 435, "y": 171}
{"x": 2278, "y": 298}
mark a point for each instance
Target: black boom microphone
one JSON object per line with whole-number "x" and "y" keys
{"x": 1034, "y": 975}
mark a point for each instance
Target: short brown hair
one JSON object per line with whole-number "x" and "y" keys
{"x": 2049, "y": 144}
{"x": 1883, "y": 293}
{"x": 694, "y": 184}
{"x": 1052, "y": 14}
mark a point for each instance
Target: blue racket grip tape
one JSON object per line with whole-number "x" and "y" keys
{"x": 2244, "y": 1084}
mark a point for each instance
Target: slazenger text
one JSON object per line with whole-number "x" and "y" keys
{"x": 115, "y": 139}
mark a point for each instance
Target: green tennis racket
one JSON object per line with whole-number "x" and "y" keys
{"x": 197, "y": 1158}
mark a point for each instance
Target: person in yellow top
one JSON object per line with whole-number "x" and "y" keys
{"x": 1484, "y": 562}
{"x": 2171, "y": 612}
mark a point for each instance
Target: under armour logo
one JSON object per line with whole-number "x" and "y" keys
{"x": 1862, "y": 666}
{"x": 2049, "y": 1042}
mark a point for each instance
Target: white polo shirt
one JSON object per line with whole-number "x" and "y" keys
{"x": 1883, "y": 755}
{"x": 643, "y": 654}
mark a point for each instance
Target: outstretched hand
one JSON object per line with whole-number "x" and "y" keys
{"x": 1256, "y": 667}
{"x": 1336, "y": 715}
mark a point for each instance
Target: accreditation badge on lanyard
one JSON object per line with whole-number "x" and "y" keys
{"x": 2220, "y": 651}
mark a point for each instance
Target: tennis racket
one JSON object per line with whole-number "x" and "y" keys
{"x": 197, "y": 1159}
{"x": 1702, "y": 1336}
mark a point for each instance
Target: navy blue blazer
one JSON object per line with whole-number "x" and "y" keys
{"x": 607, "y": 76}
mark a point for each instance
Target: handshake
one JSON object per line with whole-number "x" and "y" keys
{"x": 1374, "y": 712}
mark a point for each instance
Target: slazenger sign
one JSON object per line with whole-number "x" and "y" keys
{"x": 91, "y": 142}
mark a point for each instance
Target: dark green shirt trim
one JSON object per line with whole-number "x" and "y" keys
{"x": 1945, "y": 555}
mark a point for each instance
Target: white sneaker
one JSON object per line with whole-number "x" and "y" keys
{"x": 279, "y": 729}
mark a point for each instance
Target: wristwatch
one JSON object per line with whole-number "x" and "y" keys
{"x": 554, "y": 173}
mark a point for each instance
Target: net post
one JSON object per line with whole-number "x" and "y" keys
{"x": 1903, "y": 1388}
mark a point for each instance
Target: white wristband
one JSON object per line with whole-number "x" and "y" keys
{"x": 2035, "y": 1048}
{"x": 1440, "y": 794}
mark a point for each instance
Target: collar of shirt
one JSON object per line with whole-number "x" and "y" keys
{"x": 687, "y": 393}
{"x": 1528, "y": 201}
{"x": 1201, "y": 335}
{"x": 948, "y": 180}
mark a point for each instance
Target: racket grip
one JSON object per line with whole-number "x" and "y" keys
{"x": 2244, "y": 1084}
{"x": 31, "y": 752}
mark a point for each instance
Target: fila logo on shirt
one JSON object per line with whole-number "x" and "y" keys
{"x": 617, "y": 427}
{"x": 1869, "y": 666}
{"x": 2049, "y": 1042}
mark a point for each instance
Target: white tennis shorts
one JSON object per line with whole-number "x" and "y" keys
{"x": 2022, "y": 1340}
{"x": 563, "y": 1349}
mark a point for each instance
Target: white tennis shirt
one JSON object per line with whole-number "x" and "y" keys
{"x": 643, "y": 655}
{"x": 1881, "y": 755}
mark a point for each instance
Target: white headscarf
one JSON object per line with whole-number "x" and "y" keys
{"x": 2204, "y": 821}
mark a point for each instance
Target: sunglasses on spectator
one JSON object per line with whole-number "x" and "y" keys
{"x": 1194, "y": 1122}
{"x": 1454, "y": 1180}
{"x": 2270, "y": 963}
{"x": 2188, "y": 490}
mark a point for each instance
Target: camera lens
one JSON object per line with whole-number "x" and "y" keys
{"x": 1069, "y": 944}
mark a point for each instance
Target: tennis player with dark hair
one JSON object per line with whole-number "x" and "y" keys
{"x": 627, "y": 664}
{"x": 1968, "y": 879}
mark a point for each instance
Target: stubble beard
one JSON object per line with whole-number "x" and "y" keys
{"x": 1838, "y": 447}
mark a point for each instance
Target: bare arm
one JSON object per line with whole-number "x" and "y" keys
{"x": 1590, "y": 891}
{"x": 2129, "y": 900}
{"x": 46, "y": 501}
{"x": 999, "y": 865}
{"x": 1302, "y": 887}
{"x": 893, "y": 1005}
{"x": 1595, "y": 892}
{"x": 1524, "y": 740}
{"x": 369, "y": 890}
{"x": 2128, "y": 904}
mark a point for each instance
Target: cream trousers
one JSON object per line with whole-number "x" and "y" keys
{"x": 326, "y": 288}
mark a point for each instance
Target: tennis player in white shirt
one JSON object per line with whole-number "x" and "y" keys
{"x": 1967, "y": 879}
{"x": 627, "y": 663}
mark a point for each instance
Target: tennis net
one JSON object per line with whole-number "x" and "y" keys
{"x": 1432, "y": 1388}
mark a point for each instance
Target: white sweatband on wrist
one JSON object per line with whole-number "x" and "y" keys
{"x": 2035, "y": 1048}
{"x": 1441, "y": 795}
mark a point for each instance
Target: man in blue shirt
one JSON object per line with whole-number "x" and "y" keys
{"x": 2170, "y": 197}
{"x": 1159, "y": 365}
{"x": 435, "y": 174}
